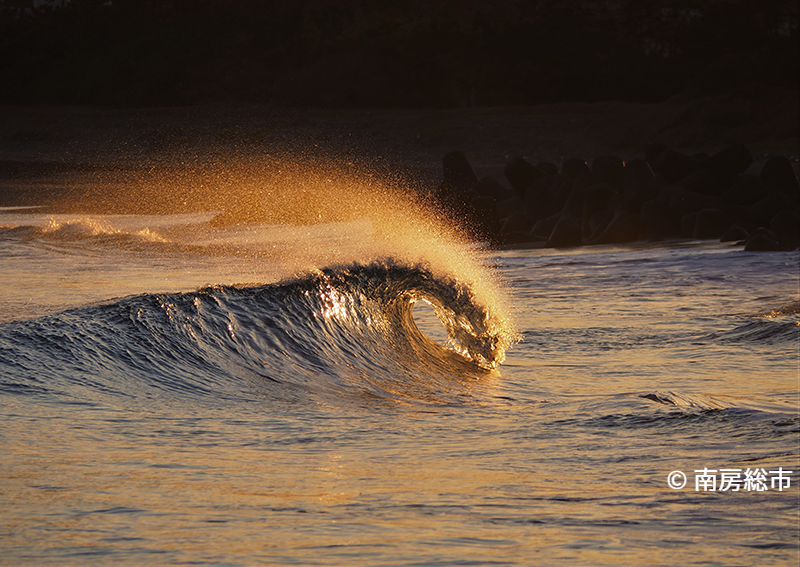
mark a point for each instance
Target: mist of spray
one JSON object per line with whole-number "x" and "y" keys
{"x": 308, "y": 213}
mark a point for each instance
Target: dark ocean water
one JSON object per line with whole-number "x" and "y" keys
{"x": 173, "y": 393}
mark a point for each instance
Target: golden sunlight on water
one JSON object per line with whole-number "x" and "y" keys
{"x": 105, "y": 482}
{"x": 228, "y": 427}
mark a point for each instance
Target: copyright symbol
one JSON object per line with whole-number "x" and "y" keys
{"x": 676, "y": 480}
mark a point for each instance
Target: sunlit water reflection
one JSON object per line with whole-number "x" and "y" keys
{"x": 633, "y": 363}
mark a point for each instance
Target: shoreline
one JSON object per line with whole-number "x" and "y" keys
{"x": 223, "y": 157}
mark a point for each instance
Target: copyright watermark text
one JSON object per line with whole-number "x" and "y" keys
{"x": 733, "y": 480}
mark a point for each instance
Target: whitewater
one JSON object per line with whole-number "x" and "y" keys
{"x": 376, "y": 391}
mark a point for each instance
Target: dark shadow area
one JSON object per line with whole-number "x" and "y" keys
{"x": 539, "y": 123}
{"x": 407, "y": 53}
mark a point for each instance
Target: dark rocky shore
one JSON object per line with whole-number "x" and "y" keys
{"x": 668, "y": 194}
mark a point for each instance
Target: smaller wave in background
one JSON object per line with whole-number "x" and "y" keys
{"x": 96, "y": 228}
{"x": 87, "y": 231}
{"x": 693, "y": 401}
{"x": 791, "y": 308}
{"x": 777, "y": 326}
{"x": 674, "y": 412}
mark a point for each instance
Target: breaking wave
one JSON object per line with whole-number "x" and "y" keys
{"x": 336, "y": 330}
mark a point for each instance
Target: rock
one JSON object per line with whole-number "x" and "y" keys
{"x": 547, "y": 167}
{"x": 736, "y": 233}
{"x": 728, "y": 163}
{"x": 614, "y": 202}
{"x": 702, "y": 182}
{"x": 666, "y": 193}
{"x": 598, "y": 222}
{"x": 560, "y": 189}
{"x": 575, "y": 167}
{"x": 778, "y": 175}
{"x": 625, "y": 227}
{"x": 549, "y": 183}
{"x": 544, "y": 228}
{"x": 566, "y": 233}
{"x": 458, "y": 172}
{"x": 609, "y": 169}
{"x": 516, "y": 222}
{"x": 762, "y": 243}
{"x": 627, "y": 207}
{"x": 595, "y": 200}
{"x": 685, "y": 202}
{"x": 735, "y": 213}
{"x": 596, "y": 197}
{"x": 746, "y": 191}
{"x": 638, "y": 182}
{"x": 786, "y": 225}
{"x": 761, "y": 213}
{"x": 657, "y": 223}
{"x": 674, "y": 166}
{"x": 687, "y": 225}
{"x": 507, "y": 207}
{"x": 488, "y": 186}
{"x": 652, "y": 151}
{"x": 538, "y": 200}
{"x": 710, "y": 223}
{"x": 521, "y": 174}
{"x": 573, "y": 205}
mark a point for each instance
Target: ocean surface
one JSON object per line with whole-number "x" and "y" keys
{"x": 177, "y": 393}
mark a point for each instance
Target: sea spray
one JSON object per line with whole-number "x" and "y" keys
{"x": 285, "y": 221}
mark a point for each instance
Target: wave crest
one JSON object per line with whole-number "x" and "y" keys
{"x": 339, "y": 329}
